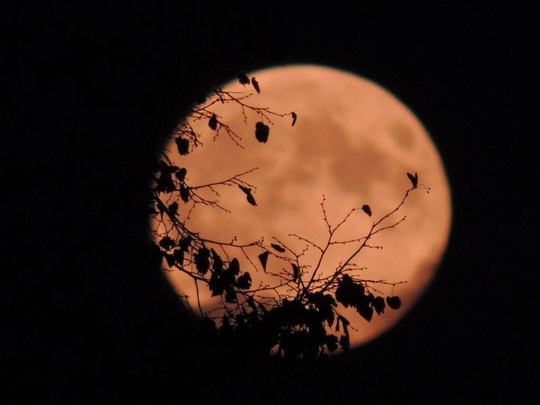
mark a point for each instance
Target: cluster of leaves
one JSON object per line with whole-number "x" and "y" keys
{"x": 303, "y": 317}
{"x": 186, "y": 137}
{"x": 350, "y": 293}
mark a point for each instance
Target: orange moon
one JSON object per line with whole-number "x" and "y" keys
{"x": 353, "y": 143}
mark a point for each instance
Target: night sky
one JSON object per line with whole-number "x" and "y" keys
{"x": 92, "y": 92}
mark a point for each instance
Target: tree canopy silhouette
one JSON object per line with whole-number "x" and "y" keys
{"x": 302, "y": 318}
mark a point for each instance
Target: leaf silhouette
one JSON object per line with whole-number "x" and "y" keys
{"x": 182, "y": 145}
{"x": 393, "y": 302}
{"x": 244, "y": 281}
{"x": 234, "y": 267}
{"x": 178, "y": 255}
{"x": 249, "y": 196}
{"x": 413, "y": 179}
{"x": 345, "y": 322}
{"x": 186, "y": 243}
{"x": 202, "y": 261}
{"x": 167, "y": 169}
{"x": 244, "y": 189}
{"x": 212, "y": 123}
{"x": 367, "y": 209}
{"x": 243, "y": 78}
{"x": 263, "y": 258}
{"x": 347, "y": 290}
{"x": 379, "y": 305}
{"x": 184, "y": 193}
{"x": 366, "y": 312}
{"x": 251, "y": 199}
{"x": 170, "y": 260}
{"x": 217, "y": 265}
{"x": 181, "y": 174}
{"x": 294, "y": 117}
{"x": 345, "y": 342}
{"x": 255, "y": 84}
{"x": 279, "y": 248}
{"x": 331, "y": 343}
{"x": 296, "y": 272}
{"x": 216, "y": 284}
{"x": 230, "y": 296}
{"x": 167, "y": 243}
{"x": 173, "y": 209}
{"x": 351, "y": 293}
{"x": 324, "y": 303}
{"x": 165, "y": 184}
{"x": 262, "y": 131}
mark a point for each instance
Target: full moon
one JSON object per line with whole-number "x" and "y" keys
{"x": 352, "y": 144}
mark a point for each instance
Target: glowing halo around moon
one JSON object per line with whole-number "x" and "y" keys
{"x": 353, "y": 142}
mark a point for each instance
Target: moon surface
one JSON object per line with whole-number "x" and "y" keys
{"x": 352, "y": 144}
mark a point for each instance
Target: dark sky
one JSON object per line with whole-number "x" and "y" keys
{"x": 92, "y": 91}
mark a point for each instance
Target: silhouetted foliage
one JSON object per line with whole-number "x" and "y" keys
{"x": 294, "y": 117}
{"x": 413, "y": 179}
{"x": 243, "y": 78}
{"x": 249, "y": 196}
{"x": 262, "y": 131}
{"x": 212, "y": 123}
{"x": 303, "y": 319}
{"x": 255, "y": 84}
{"x": 183, "y": 145}
{"x": 367, "y": 209}
{"x": 263, "y": 258}
{"x": 393, "y": 302}
{"x": 277, "y": 247}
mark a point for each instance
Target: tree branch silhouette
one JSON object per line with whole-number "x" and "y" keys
{"x": 299, "y": 315}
